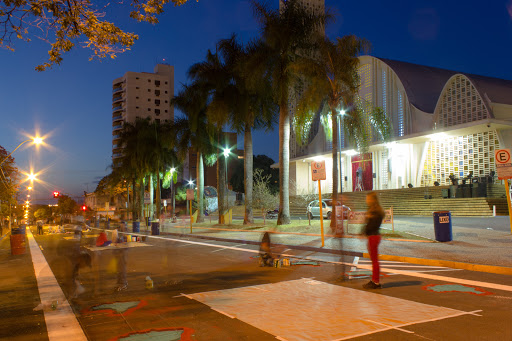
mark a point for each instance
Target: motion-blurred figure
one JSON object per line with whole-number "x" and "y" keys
{"x": 374, "y": 216}
{"x": 266, "y": 257}
{"x": 122, "y": 282}
{"x": 78, "y": 259}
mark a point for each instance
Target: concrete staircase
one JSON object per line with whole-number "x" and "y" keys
{"x": 412, "y": 202}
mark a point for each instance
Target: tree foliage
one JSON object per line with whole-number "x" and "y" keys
{"x": 263, "y": 198}
{"x": 42, "y": 213}
{"x": 66, "y": 205}
{"x": 9, "y": 177}
{"x": 65, "y": 23}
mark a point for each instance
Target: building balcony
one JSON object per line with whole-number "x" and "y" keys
{"x": 117, "y": 127}
{"x": 116, "y": 137}
{"x": 117, "y": 108}
{"x": 117, "y": 99}
{"x": 117, "y": 155}
{"x": 118, "y": 89}
{"x": 116, "y": 146}
{"x": 117, "y": 118}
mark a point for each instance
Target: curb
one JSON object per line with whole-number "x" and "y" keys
{"x": 447, "y": 263}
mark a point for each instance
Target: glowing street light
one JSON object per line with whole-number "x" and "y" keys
{"x": 31, "y": 177}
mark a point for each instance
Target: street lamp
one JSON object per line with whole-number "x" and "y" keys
{"x": 36, "y": 140}
{"x": 226, "y": 153}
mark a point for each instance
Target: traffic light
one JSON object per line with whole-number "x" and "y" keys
{"x": 56, "y": 194}
{"x": 84, "y": 208}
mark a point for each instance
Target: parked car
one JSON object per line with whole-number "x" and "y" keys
{"x": 313, "y": 209}
{"x": 272, "y": 214}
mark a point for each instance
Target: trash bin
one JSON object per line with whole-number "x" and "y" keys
{"x": 18, "y": 242}
{"x": 136, "y": 226}
{"x": 443, "y": 226}
{"x": 445, "y": 193}
{"x": 155, "y": 228}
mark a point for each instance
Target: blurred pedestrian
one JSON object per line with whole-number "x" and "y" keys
{"x": 78, "y": 260}
{"x": 374, "y": 216}
{"x": 39, "y": 227}
{"x": 266, "y": 257}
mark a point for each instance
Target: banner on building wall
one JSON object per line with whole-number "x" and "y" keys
{"x": 359, "y": 217}
{"x": 362, "y": 172}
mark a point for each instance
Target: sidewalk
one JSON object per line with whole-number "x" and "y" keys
{"x": 479, "y": 244}
{"x": 19, "y": 295}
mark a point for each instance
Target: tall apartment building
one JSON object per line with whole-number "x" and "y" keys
{"x": 141, "y": 95}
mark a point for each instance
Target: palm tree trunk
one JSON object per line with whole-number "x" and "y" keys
{"x": 173, "y": 196}
{"x": 158, "y": 196}
{"x": 248, "y": 174}
{"x": 134, "y": 201}
{"x": 141, "y": 198}
{"x": 284, "y": 165}
{"x": 334, "y": 120}
{"x": 151, "y": 191}
{"x": 200, "y": 187}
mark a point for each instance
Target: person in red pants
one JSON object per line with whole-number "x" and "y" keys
{"x": 374, "y": 216}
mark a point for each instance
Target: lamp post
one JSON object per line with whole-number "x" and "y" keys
{"x": 36, "y": 140}
{"x": 172, "y": 191}
{"x": 226, "y": 155}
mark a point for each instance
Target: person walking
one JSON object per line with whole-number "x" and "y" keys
{"x": 374, "y": 216}
{"x": 39, "y": 227}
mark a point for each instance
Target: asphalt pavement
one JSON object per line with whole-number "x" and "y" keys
{"x": 207, "y": 286}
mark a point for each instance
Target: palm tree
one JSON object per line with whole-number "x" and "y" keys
{"x": 286, "y": 33}
{"x": 135, "y": 140}
{"x": 214, "y": 77}
{"x": 194, "y": 131}
{"x": 162, "y": 154}
{"x": 332, "y": 84}
{"x": 250, "y": 105}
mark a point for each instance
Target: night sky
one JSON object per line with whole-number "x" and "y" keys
{"x": 72, "y": 102}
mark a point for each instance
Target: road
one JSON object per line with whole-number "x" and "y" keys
{"x": 210, "y": 290}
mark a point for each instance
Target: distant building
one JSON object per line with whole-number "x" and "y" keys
{"x": 141, "y": 95}
{"x": 445, "y": 123}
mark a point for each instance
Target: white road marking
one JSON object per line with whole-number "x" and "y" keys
{"x": 387, "y": 325}
{"x": 61, "y": 324}
{"x": 353, "y": 268}
{"x": 223, "y": 313}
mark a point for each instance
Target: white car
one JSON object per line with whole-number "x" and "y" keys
{"x": 313, "y": 209}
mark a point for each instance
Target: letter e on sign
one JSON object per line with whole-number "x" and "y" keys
{"x": 502, "y": 156}
{"x": 318, "y": 170}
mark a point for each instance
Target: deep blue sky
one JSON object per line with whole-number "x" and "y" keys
{"x": 72, "y": 101}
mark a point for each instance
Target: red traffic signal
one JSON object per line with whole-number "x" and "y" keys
{"x": 56, "y": 194}
{"x": 84, "y": 208}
